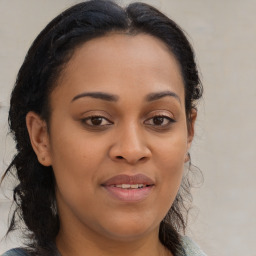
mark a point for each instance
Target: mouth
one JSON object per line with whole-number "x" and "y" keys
{"x": 129, "y": 188}
{"x": 127, "y": 181}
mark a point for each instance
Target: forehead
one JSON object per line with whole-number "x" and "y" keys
{"x": 120, "y": 62}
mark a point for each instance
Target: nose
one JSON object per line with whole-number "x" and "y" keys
{"x": 130, "y": 146}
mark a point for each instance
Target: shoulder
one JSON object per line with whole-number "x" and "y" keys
{"x": 191, "y": 248}
{"x": 15, "y": 252}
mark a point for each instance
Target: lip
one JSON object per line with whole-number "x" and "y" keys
{"x": 130, "y": 194}
{"x": 127, "y": 179}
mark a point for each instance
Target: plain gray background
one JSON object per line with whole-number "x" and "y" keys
{"x": 223, "y": 33}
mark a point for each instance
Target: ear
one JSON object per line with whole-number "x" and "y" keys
{"x": 191, "y": 127}
{"x": 39, "y": 137}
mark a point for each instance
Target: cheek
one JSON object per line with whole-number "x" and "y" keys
{"x": 171, "y": 152}
{"x": 75, "y": 168}
{"x": 170, "y": 163}
{"x": 75, "y": 161}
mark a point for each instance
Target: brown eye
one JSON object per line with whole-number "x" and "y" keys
{"x": 96, "y": 121}
{"x": 158, "y": 120}
{"x": 162, "y": 121}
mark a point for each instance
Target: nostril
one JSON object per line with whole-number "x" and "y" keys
{"x": 119, "y": 157}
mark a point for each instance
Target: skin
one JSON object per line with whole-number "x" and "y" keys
{"x": 129, "y": 138}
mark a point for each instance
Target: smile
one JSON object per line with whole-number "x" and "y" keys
{"x": 129, "y": 188}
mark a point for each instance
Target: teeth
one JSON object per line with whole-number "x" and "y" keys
{"x": 127, "y": 186}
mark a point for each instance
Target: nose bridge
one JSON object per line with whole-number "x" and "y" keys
{"x": 130, "y": 144}
{"x": 132, "y": 137}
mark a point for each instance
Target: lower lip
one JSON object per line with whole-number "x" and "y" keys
{"x": 129, "y": 195}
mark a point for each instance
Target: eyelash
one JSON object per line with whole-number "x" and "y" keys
{"x": 169, "y": 121}
{"x": 104, "y": 119}
{"x": 84, "y": 120}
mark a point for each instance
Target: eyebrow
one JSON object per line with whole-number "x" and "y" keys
{"x": 97, "y": 95}
{"x": 113, "y": 98}
{"x": 159, "y": 95}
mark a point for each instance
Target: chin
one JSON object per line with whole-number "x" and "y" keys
{"x": 130, "y": 230}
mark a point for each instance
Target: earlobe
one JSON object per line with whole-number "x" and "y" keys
{"x": 39, "y": 138}
{"x": 191, "y": 127}
{"x": 187, "y": 157}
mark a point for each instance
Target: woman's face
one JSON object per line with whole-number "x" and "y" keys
{"x": 118, "y": 136}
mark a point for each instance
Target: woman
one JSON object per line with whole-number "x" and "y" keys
{"x": 103, "y": 114}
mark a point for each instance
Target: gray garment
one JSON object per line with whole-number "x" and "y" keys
{"x": 15, "y": 252}
{"x": 189, "y": 246}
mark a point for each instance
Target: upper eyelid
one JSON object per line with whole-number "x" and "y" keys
{"x": 91, "y": 116}
{"x": 108, "y": 116}
{"x": 164, "y": 113}
{"x": 149, "y": 117}
{"x": 160, "y": 114}
{"x": 97, "y": 113}
{"x": 164, "y": 116}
